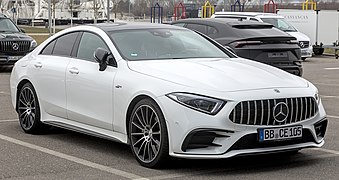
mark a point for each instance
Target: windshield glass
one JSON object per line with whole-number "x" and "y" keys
{"x": 7, "y": 25}
{"x": 280, "y": 23}
{"x": 151, "y": 44}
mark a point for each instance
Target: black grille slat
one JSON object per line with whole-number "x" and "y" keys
{"x": 260, "y": 112}
{"x": 7, "y": 46}
{"x": 270, "y": 113}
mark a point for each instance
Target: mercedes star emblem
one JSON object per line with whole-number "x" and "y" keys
{"x": 280, "y": 112}
{"x": 15, "y": 46}
{"x": 301, "y": 44}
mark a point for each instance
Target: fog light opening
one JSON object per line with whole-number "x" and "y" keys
{"x": 320, "y": 128}
{"x": 203, "y": 138}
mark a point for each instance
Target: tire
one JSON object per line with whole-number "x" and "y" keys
{"x": 303, "y": 58}
{"x": 28, "y": 110}
{"x": 148, "y": 134}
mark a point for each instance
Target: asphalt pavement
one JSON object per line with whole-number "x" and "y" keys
{"x": 62, "y": 154}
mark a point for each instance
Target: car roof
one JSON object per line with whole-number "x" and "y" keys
{"x": 249, "y": 14}
{"x": 117, "y": 26}
{"x": 226, "y": 21}
{"x": 231, "y": 29}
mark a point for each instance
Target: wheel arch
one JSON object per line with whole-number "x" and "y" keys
{"x": 132, "y": 105}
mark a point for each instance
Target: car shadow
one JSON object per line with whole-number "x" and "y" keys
{"x": 235, "y": 165}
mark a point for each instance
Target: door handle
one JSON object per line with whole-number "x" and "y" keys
{"x": 38, "y": 65}
{"x": 74, "y": 70}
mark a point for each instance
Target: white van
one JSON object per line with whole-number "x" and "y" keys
{"x": 276, "y": 20}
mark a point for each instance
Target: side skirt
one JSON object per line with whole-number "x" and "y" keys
{"x": 108, "y": 135}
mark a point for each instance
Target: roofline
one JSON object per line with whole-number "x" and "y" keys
{"x": 248, "y": 14}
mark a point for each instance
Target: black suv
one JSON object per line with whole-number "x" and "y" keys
{"x": 14, "y": 43}
{"x": 252, "y": 40}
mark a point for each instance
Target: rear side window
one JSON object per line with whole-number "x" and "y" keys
{"x": 211, "y": 30}
{"x": 64, "y": 44}
{"x": 179, "y": 24}
{"x": 198, "y": 27}
{"x": 48, "y": 50}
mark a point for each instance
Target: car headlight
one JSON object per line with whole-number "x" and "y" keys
{"x": 34, "y": 44}
{"x": 198, "y": 102}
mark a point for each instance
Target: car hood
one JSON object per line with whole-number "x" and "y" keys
{"x": 14, "y": 36}
{"x": 218, "y": 74}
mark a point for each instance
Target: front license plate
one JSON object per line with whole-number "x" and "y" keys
{"x": 13, "y": 58}
{"x": 277, "y": 54}
{"x": 273, "y": 134}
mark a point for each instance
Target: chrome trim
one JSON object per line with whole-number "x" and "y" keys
{"x": 300, "y": 109}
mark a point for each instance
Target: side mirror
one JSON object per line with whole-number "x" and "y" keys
{"x": 101, "y": 56}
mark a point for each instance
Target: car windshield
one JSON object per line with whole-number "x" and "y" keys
{"x": 7, "y": 25}
{"x": 152, "y": 44}
{"x": 280, "y": 23}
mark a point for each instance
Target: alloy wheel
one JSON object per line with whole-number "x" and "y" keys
{"x": 27, "y": 108}
{"x": 145, "y": 133}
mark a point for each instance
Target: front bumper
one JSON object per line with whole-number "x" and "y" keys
{"x": 307, "y": 52}
{"x": 9, "y": 60}
{"x": 230, "y": 139}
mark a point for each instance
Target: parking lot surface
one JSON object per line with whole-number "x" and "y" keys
{"x": 62, "y": 154}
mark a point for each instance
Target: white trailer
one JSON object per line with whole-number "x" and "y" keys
{"x": 322, "y": 26}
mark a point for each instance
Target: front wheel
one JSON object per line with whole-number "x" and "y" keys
{"x": 303, "y": 58}
{"x": 29, "y": 110}
{"x": 148, "y": 134}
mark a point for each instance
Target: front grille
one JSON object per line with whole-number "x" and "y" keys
{"x": 21, "y": 46}
{"x": 260, "y": 112}
{"x": 304, "y": 44}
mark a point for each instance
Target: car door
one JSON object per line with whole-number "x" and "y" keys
{"x": 90, "y": 91}
{"x": 49, "y": 74}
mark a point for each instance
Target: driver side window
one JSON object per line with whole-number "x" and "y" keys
{"x": 282, "y": 25}
{"x": 88, "y": 44}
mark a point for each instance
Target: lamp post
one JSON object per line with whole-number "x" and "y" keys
{"x": 108, "y": 15}
{"x": 95, "y": 11}
{"x": 129, "y": 7}
{"x": 71, "y": 2}
{"x": 49, "y": 18}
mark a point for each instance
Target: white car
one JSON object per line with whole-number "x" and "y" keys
{"x": 276, "y": 20}
{"x": 165, "y": 91}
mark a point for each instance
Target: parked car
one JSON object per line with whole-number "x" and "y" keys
{"x": 14, "y": 43}
{"x": 252, "y": 40}
{"x": 165, "y": 91}
{"x": 278, "y": 22}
